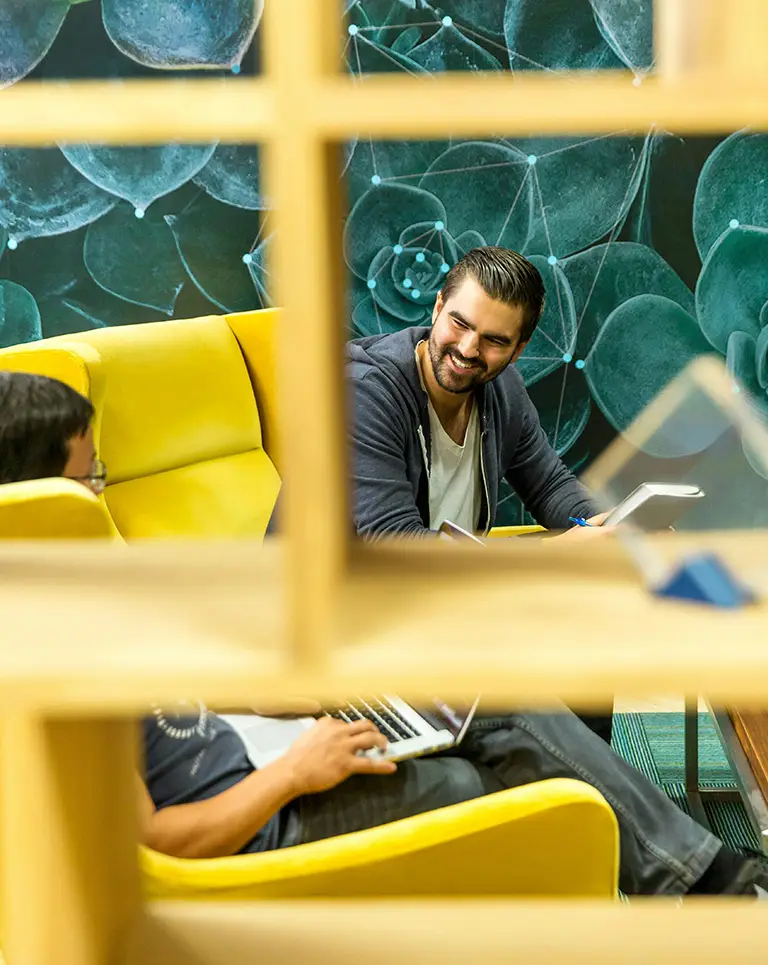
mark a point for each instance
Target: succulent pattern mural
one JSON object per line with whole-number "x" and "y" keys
{"x": 94, "y": 235}
{"x": 653, "y": 249}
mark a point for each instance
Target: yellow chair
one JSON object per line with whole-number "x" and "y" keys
{"x": 51, "y": 509}
{"x": 183, "y": 409}
{"x": 554, "y": 838}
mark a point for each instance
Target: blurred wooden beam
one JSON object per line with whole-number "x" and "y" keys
{"x": 69, "y": 876}
{"x": 245, "y": 111}
{"x": 172, "y": 621}
{"x": 532, "y": 102}
{"x": 302, "y": 173}
{"x": 727, "y": 38}
{"x": 685, "y": 36}
{"x": 161, "y": 111}
{"x": 449, "y": 933}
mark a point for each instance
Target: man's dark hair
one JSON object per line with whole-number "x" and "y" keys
{"x": 505, "y": 276}
{"x": 38, "y": 417}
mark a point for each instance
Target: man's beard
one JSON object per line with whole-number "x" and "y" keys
{"x": 449, "y": 379}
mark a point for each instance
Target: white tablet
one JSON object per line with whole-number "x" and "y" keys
{"x": 659, "y": 502}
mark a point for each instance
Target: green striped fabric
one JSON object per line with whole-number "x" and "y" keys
{"x": 654, "y": 744}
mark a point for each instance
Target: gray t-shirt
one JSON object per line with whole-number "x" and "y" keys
{"x": 454, "y": 480}
{"x": 191, "y": 754}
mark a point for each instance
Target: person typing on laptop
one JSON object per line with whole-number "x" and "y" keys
{"x": 201, "y": 796}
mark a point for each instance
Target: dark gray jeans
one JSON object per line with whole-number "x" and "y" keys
{"x": 663, "y": 851}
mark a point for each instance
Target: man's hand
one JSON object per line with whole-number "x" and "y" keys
{"x": 598, "y": 520}
{"x": 327, "y": 754}
{"x": 593, "y": 530}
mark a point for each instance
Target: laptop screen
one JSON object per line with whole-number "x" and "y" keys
{"x": 453, "y": 717}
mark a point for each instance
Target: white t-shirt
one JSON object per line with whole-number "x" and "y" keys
{"x": 455, "y": 486}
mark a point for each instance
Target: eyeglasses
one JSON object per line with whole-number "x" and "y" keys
{"x": 97, "y": 479}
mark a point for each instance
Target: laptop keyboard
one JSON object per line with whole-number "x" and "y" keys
{"x": 381, "y": 713}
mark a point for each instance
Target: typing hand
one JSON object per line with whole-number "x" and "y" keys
{"x": 328, "y": 753}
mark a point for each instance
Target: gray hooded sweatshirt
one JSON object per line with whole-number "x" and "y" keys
{"x": 390, "y": 439}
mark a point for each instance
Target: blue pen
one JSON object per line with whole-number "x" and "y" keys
{"x": 578, "y": 520}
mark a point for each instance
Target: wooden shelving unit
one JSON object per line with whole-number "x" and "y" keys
{"x": 92, "y": 634}
{"x": 208, "y": 621}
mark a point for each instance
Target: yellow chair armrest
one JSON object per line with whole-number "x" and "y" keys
{"x": 504, "y": 532}
{"x": 52, "y": 509}
{"x": 556, "y": 837}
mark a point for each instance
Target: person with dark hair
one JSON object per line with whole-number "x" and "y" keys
{"x": 199, "y": 796}
{"x": 45, "y": 431}
{"x": 440, "y": 416}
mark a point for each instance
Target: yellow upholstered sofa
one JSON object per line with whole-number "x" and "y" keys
{"x": 184, "y": 419}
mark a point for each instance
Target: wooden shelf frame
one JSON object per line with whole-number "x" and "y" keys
{"x": 207, "y": 621}
{"x": 245, "y": 110}
{"x": 489, "y": 932}
{"x": 79, "y": 652}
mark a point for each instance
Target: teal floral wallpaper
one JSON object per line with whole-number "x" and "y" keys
{"x": 654, "y": 248}
{"x": 92, "y": 235}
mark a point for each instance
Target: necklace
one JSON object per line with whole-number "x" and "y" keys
{"x": 182, "y": 733}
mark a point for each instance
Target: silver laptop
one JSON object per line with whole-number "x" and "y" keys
{"x": 409, "y": 732}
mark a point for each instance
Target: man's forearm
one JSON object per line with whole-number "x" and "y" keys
{"x": 225, "y": 823}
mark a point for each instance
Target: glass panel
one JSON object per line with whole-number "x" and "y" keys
{"x": 695, "y": 459}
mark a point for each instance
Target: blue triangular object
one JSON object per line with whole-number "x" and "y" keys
{"x": 706, "y": 579}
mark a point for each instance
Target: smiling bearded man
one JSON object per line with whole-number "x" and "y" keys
{"x": 441, "y": 415}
